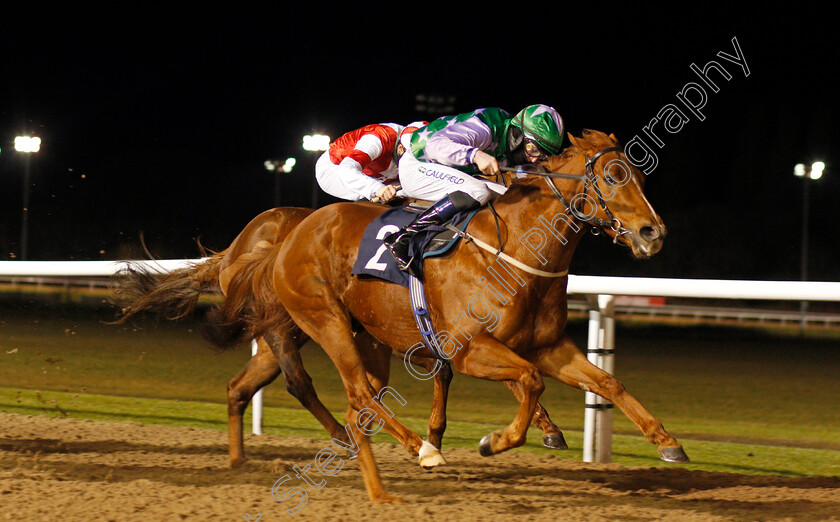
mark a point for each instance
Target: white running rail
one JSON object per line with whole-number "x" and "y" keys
{"x": 599, "y": 290}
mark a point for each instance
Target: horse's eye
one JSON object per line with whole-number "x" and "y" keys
{"x": 610, "y": 180}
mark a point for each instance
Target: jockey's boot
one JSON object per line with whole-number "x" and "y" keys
{"x": 397, "y": 243}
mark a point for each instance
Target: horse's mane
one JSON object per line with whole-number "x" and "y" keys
{"x": 589, "y": 141}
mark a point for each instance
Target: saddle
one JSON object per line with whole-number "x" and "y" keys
{"x": 374, "y": 260}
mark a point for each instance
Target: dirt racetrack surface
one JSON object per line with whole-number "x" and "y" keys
{"x": 66, "y": 469}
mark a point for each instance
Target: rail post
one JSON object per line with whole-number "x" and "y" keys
{"x": 257, "y": 401}
{"x": 597, "y": 423}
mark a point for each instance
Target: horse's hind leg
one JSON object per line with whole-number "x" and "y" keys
{"x": 377, "y": 359}
{"x": 329, "y": 326}
{"x": 552, "y": 436}
{"x": 567, "y": 364}
{"x": 367, "y": 464}
{"x": 299, "y": 384}
{"x": 260, "y": 371}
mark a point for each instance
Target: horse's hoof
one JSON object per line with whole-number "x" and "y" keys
{"x": 237, "y": 462}
{"x": 432, "y": 461}
{"x": 430, "y": 456}
{"x": 485, "y": 449}
{"x": 555, "y": 441}
{"x": 673, "y": 454}
{"x": 385, "y": 498}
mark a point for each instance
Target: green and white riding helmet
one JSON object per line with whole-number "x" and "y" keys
{"x": 542, "y": 126}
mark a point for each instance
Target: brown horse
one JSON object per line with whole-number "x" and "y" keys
{"x": 176, "y": 294}
{"x": 508, "y": 329}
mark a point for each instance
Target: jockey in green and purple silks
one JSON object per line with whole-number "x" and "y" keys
{"x": 446, "y": 154}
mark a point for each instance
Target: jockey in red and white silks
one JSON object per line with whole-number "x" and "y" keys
{"x": 362, "y": 164}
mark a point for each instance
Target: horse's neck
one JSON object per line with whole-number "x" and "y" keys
{"x": 541, "y": 231}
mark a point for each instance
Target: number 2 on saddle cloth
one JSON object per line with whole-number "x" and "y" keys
{"x": 375, "y": 261}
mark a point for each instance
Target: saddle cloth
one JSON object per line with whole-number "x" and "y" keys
{"x": 375, "y": 260}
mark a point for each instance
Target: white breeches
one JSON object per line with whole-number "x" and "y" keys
{"x": 432, "y": 181}
{"x": 344, "y": 182}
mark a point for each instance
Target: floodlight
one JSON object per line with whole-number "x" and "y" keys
{"x": 316, "y": 142}
{"x": 27, "y": 144}
{"x": 290, "y": 163}
{"x": 817, "y": 170}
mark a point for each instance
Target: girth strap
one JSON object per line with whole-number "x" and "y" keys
{"x": 423, "y": 319}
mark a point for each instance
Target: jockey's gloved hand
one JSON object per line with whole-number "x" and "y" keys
{"x": 487, "y": 164}
{"x": 386, "y": 193}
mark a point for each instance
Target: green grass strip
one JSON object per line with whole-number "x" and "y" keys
{"x": 629, "y": 450}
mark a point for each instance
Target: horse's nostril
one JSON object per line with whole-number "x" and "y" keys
{"x": 649, "y": 233}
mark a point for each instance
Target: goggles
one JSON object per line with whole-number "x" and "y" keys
{"x": 532, "y": 150}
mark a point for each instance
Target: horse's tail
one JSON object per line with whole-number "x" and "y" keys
{"x": 172, "y": 295}
{"x": 251, "y": 307}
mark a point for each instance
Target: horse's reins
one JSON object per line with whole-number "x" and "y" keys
{"x": 612, "y": 223}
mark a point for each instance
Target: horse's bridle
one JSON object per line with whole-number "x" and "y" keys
{"x": 597, "y": 223}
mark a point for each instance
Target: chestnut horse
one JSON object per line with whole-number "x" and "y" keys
{"x": 175, "y": 295}
{"x": 509, "y": 329}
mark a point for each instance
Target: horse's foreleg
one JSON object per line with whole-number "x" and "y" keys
{"x": 299, "y": 383}
{"x": 568, "y": 364}
{"x": 489, "y": 359}
{"x": 441, "y": 381}
{"x": 260, "y": 371}
{"x": 377, "y": 361}
{"x": 552, "y": 436}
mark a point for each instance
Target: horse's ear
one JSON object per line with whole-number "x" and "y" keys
{"x": 572, "y": 139}
{"x": 612, "y": 137}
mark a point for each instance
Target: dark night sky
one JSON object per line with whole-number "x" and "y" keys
{"x": 158, "y": 123}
